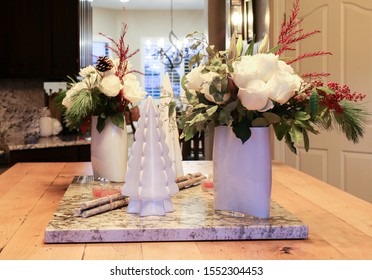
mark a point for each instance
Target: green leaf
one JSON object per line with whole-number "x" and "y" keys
{"x": 198, "y": 118}
{"x": 290, "y": 144}
{"x": 306, "y": 140}
{"x": 242, "y": 131}
{"x": 250, "y": 48}
{"x": 231, "y": 106}
{"x": 281, "y": 129}
{"x": 260, "y": 122}
{"x": 296, "y": 134}
{"x": 239, "y": 46}
{"x": 225, "y": 118}
{"x": 171, "y": 109}
{"x": 232, "y": 48}
{"x": 100, "y": 124}
{"x": 200, "y": 106}
{"x": 195, "y": 45}
{"x": 326, "y": 90}
{"x": 314, "y": 103}
{"x": 118, "y": 120}
{"x": 271, "y": 117}
{"x": 183, "y": 82}
{"x": 275, "y": 49}
{"x": 212, "y": 110}
{"x": 264, "y": 44}
{"x": 302, "y": 116}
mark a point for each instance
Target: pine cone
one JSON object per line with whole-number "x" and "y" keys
{"x": 104, "y": 64}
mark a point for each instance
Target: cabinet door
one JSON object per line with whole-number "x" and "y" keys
{"x": 64, "y": 38}
{"x": 24, "y": 35}
{"x": 39, "y": 39}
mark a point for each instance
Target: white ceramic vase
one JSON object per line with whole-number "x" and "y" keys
{"x": 109, "y": 152}
{"x": 242, "y": 172}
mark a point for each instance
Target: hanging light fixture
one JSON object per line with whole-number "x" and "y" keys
{"x": 173, "y": 55}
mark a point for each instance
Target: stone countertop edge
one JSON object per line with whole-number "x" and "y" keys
{"x": 193, "y": 218}
{"x": 49, "y": 142}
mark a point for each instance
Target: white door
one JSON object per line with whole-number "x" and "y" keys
{"x": 346, "y": 31}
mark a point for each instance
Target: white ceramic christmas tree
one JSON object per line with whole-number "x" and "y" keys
{"x": 170, "y": 126}
{"x": 150, "y": 180}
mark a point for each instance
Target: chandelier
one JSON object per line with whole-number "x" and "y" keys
{"x": 173, "y": 55}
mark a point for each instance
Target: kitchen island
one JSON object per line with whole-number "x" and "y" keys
{"x": 61, "y": 148}
{"x": 339, "y": 224}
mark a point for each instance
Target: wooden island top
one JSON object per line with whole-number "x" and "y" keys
{"x": 339, "y": 224}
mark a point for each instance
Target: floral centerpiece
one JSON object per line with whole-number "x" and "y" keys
{"x": 98, "y": 102}
{"x": 256, "y": 89}
{"x": 106, "y": 90}
{"x": 242, "y": 94}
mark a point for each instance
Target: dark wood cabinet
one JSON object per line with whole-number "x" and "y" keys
{"x": 39, "y": 39}
{"x": 76, "y": 153}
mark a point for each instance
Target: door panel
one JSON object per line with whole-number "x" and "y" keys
{"x": 346, "y": 31}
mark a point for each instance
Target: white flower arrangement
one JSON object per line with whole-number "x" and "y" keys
{"x": 106, "y": 91}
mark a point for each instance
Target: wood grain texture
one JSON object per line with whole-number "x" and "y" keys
{"x": 339, "y": 223}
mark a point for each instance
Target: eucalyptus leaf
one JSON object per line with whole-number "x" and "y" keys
{"x": 212, "y": 110}
{"x": 171, "y": 109}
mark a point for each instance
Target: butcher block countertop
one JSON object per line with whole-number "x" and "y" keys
{"x": 339, "y": 224}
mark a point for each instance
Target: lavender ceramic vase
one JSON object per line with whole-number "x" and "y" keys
{"x": 242, "y": 172}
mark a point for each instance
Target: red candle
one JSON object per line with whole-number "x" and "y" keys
{"x": 101, "y": 192}
{"x": 207, "y": 185}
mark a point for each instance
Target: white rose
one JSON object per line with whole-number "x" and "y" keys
{"x": 110, "y": 85}
{"x": 282, "y": 86}
{"x": 194, "y": 78}
{"x": 132, "y": 90}
{"x": 129, "y": 76}
{"x": 255, "y": 96}
{"x": 256, "y": 67}
{"x": 284, "y": 83}
{"x": 87, "y": 71}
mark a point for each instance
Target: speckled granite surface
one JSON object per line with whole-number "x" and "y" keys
{"x": 193, "y": 218}
{"x": 20, "y": 104}
{"x": 47, "y": 142}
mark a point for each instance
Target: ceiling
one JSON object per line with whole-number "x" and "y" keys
{"x": 150, "y": 4}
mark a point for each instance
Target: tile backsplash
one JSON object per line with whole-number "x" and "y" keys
{"x": 20, "y": 105}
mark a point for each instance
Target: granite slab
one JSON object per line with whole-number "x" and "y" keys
{"x": 193, "y": 219}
